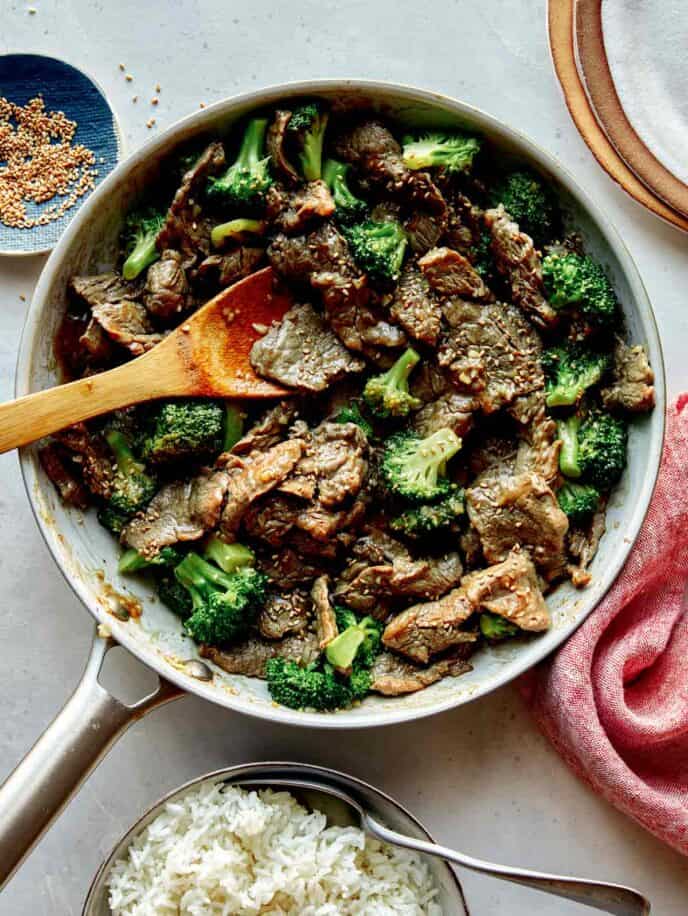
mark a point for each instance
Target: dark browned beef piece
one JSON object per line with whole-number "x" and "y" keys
{"x": 96, "y": 343}
{"x": 166, "y": 294}
{"x": 299, "y": 258}
{"x": 539, "y": 448}
{"x": 333, "y": 467}
{"x": 292, "y": 212}
{"x": 56, "y": 464}
{"x": 491, "y": 350}
{"x": 427, "y": 629}
{"x": 183, "y": 510}
{"x": 306, "y": 526}
{"x": 633, "y": 386}
{"x": 90, "y": 453}
{"x": 302, "y": 352}
{"x": 128, "y": 324}
{"x": 423, "y": 231}
{"x": 275, "y": 142}
{"x": 429, "y": 382}
{"x": 102, "y": 288}
{"x": 270, "y": 429}
{"x": 352, "y": 314}
{"x": 284, "y": 614}
{"x": 250, "y": 656}
{"x": 518, "y": 260}
{"x": 492, "y": 452}
{"x": 415, "y": 307}
{"x": 289, "y": 569}
{"x": 449, "y": 273}
{"x": 583, "y": 544}
{"x": 325, "y": 620}
{"x": 519, "y": 509}
{"x": 393, "y": 677}
{"x": 453, "y": 409}
{"x": 510, "y": 589}
{"x": 464, "y": 221}
{"x": 253, "y": 477}
{"x": 471, "y": 548}
{"x": 224, "y": 269}
{"x": 186, "y": 228}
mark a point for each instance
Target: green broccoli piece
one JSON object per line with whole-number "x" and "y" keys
{"x": 172, "y": 593}
{"x": 234, "y": 426}
{"x": 494, "y": 627}
{"x": 248, "y": 178}
{"x": 224, "y": 605}
{"x": 132, "y": 487}
{"x": 481, "y": 255}
{"x": 132, "y": 561}
{"x": 576, "y": 280}
{"x": 229, "y": 557}
{"x": 415, "y": 468}
{"x": 420, "y": 521}
{"x": 141, "y": 229}
{"x": 593, "y": 448}
{"x": 112, "y": 519}
{"x": 378, "y": 247}
{"x": 352, "y": 414}
{"x": 358, "y": 641}
{"x": 570, "y": 370}
{"x": 349, "y": 208}
{"x": 236, "y": 230}
{"x": 530, "y": 203}
{"x": 312, "y": 687}
{"x": 185, "y": 429}
{"x": 309, "y": 123}
{"x": 387, "y": 395}
{"x": 579, "y": 501}
{"x": 453, "y": 152}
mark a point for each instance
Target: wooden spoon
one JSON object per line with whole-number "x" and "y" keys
{"x": 207, "y": 355}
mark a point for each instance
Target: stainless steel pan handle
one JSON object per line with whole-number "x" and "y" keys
{"x": 64, "y": 756}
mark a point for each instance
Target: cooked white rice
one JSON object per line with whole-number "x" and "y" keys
{"x": 224, "y": 850}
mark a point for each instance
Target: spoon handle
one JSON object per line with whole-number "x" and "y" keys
{"x": 610, "y": 898}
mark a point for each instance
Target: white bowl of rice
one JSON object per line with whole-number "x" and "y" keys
{"x": 212, "y": 848}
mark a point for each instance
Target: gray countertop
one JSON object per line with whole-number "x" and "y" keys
{"x": 481, "y": 777}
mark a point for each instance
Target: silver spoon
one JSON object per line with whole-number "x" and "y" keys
{"x": 344, "y": 810}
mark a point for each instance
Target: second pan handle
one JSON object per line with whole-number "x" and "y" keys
{"x": 71, "y": 747}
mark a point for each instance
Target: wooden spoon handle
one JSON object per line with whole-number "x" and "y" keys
{"x": 36, "y": 415}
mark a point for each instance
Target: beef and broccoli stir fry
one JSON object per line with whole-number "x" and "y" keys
{"x": 461, "y": 393}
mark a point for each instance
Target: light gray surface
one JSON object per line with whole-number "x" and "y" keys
{"x": 481, "y": 777}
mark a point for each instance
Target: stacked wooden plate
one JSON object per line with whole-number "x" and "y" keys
{"x": 623, "y": 69}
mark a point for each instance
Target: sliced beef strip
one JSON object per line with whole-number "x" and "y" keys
{"x": 423, "y": 231}
{"x": 583, "y": 543}
{"x": 302, "y": 352}
{"x": 519, "y": 509}
{"x": 276, "y": 143}
{"x": 56, "y": 464}
{"x": 253, "y": 477}
{"x": 250, "y": 656}
{"x": 103, "y": 288}
{"x": 394, "y": 677}
{"x": 539, "y": 448}
{"x": 185, "y": 228}
{"x": 183, "y": 510}
{"x": 325, "y": 620}
{"x": 270, "y": 429}
{"x": 224, "y": 269}
{"x": 284, "y": 614}
{"x": 491, "y": 350}
{"x": 166, "y": 294}
{"x": 333, "y": 466}
{"x": 354, "y": 316}
{"x": 494, "y": 453}
{"x": 633, "y": 386}
{"x": 322, "y": 524}
{"x": 453, "y": 409}
{"x": 300, "y": 258}
{"x": 449, "y": 273}
{"x": 518, "y": 260}
{"x": 429, "y": 382}
{"x": 96, "y": 343}
{"x": 90, "y": 453}
{"x": 289, "y": 569}
{"x": 293, "y": 211}
{"x": 415, "y": 306}
{"x": 511, "y": 590}
{"x": 127, "y": 324}
{"x": 282, "y": 520}
{"x": 427, "y": 629}
{"x": 471, "y": 548}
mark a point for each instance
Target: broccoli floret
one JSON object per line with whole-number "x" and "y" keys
{"x": 234, "y": 426}
{"x": 593, "y": 448}
{"x": 579, "y": 501}
{"x": 248, "y": 178}
{"x": 349, "y": 208}
{"x": 453, "y": 152}
{"x": 387, "y": 395}
{"x": 415, "y": 468}
{"x": 132, "y": 487}
{"x": 236, "y": 230}
{"x": 309, "y": 122}
{"x": 140, "y": 232}
{"x": 576, "y": 280}
{"x": 530, "y": 203}
{"x": 112, "y": 519}
{"x": 421, "y": 521}
{"x": 481, "y": 255}
{"x": 352, "y": 414}
{"x": 312, "y": 687}
{"x": 224, "y": 605}
{"x": 358, "y": 641}
{"x": 378, "y": 248}
{"x": 132, "y": 561}
{"x": 569, "y": 371}
{"x": 185, "y": 429}
{"x": 229, "y": 557}
{"x": 172, "y": 593}
{"x": 494, "y": 627}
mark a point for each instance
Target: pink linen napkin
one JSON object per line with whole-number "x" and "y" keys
{"x": 614, "y": 699}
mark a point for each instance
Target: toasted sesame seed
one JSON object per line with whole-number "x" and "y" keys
{"x": 128, "y": 77}
{"x": 134, "y": 98}
{"x": 155, "y": 100}
{"x": 157, "y": 87}
{"x": 122, "y": 67}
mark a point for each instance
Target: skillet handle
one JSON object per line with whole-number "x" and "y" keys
{"x": 67, "y": 752}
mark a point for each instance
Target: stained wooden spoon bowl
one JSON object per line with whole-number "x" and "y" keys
{"x": 207, "y": 355}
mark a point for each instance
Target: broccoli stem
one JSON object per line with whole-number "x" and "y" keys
{"x": 567, "y": 431}
{"x": 311, "y": 154}
{"x": 341, "y": 652}
{"x": 145, "y": 252}
{"x": 229, "y": 557}
{"x": 234, "y": 426}
{"x": 132, "y": 561}
{"x": 237, "y": 230}
{"x": 127, "y": 462}
{"x": 251, "y": 149}
{"x": 398, "y": 375}
{"x": 195, "y": 573}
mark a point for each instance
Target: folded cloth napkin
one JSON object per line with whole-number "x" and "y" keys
{"x": 614, "y": 699}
